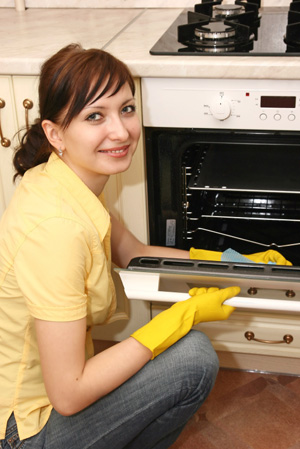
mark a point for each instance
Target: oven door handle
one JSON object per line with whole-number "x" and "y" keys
{"x": 146, "y": 287}
{"x": 238, "y": 301}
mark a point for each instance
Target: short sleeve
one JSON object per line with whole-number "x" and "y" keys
{"x": 51, "y": 268}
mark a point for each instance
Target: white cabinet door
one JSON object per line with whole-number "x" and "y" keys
{"x": 18, "y": 103}
{"x": 26, "y": 98}
{"x": 9, "y": 128}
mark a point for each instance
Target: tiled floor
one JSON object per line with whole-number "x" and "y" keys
{"x": 247, "y": 411}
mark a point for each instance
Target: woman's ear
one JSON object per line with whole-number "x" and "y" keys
{"x": 52, "y": 132}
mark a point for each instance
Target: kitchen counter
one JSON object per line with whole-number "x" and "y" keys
{"x": 29, "y": 37}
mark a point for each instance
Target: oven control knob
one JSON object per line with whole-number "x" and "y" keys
{"x": 220, "y": 108}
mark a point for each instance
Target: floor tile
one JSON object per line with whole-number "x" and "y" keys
{"x": 246, "y": 410}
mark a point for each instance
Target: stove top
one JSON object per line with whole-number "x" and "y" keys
{"x": 238, "y": 29}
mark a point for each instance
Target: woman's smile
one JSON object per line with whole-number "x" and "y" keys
{"x": 101, "y": 140}
{"x": 116, "y": 152}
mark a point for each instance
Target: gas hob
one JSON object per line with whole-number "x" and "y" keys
{"x": 238, "y": 29}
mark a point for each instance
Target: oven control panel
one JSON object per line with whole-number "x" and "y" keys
{"x": 221, "y": 103}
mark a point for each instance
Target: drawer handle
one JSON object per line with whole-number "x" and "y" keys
{"x": 28, "y": 104}
{"x": 4, "y": 141}
{"x": 286, "y": 339}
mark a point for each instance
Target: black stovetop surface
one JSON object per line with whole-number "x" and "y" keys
{"x": 269, "y": 41}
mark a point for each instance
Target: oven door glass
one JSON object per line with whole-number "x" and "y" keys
{"x": 224, "y": 189}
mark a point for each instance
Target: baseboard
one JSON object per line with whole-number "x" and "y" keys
{"x": 256, "y": 362}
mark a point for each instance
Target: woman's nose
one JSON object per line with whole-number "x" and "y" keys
{"x": 118, "y": 130}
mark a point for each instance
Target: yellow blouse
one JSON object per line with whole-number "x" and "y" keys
{"x": 55, "y": 265}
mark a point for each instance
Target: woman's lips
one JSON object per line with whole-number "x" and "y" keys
{"x": 116, "y": 152}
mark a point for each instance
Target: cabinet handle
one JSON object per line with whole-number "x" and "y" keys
{"x": 286, "y": 339}
{"x": 28, "y": 104}
{"x": 4, "y": 141}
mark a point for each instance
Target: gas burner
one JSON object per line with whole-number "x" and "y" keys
{"x": 216, "y": 28}
{"x": 210, "y": 36}
{"x": 215, "y": 31}
{"x": 244, "y": 12}
{"x": 214, "y": 8}
{"x": 215, "y": 37}
{"x": 221, "y": 12}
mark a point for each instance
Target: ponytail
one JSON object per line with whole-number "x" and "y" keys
{"x": 33, "y": 150}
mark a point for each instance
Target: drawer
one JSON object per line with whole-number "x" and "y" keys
{"x": 229, "y": 335}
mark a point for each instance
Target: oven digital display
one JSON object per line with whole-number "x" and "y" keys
{"x": 277, "y": 102}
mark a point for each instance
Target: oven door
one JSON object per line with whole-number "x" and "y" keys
{"x": 263, "y": 287}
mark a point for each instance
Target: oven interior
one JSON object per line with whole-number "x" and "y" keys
{"x": 221, "y": 189}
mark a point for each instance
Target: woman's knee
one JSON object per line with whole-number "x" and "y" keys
{"x": 195, "y": 368}
{"x": 199, "y": 354}
{"x": 194, "y": 359}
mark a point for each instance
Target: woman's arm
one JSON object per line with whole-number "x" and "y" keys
{"x": 73, "y": 383}
{"x": 125, "y": 246}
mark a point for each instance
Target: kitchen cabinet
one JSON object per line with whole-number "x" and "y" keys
{"x": 8, "y": 127}
{"x": 26, "y": 99}
{"x": 18, "y": 106}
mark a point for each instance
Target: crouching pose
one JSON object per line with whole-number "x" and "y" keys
{"x": 57, "y": 241}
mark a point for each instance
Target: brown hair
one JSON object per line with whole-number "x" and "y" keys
{"x": 68, "y": 82}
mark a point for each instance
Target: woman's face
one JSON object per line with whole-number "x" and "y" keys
{"x": 102, "y": 139}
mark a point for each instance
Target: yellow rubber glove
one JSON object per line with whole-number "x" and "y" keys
{"x": 264, "y": 257}
{"x": 268, "y": 256}
{"x": 172, "y": 324}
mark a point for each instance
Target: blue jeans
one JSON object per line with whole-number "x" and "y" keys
{"x": 148, "y": 411}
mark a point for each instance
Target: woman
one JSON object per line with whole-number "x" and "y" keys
{"x": 57, "y": 241}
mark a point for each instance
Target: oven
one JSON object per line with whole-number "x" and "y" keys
{"x": 223, "y": 160}
{"x": 222, "y": 166}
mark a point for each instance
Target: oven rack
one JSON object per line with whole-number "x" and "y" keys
{"x": 251, "y": 205}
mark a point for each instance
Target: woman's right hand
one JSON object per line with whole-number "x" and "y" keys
{"x": 172, "y": 324}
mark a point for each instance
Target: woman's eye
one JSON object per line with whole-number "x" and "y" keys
{"x": 128, "y": 109}
{"x": 94, "y": 117}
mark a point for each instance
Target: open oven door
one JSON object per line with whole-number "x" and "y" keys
{"x": 264, "y": 287}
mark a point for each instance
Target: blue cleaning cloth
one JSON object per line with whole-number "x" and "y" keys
{"x": 230, "y": 255}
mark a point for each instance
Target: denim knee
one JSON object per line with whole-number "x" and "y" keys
{"x": 198, "y": 360}
{"x": 199, "y": 348}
